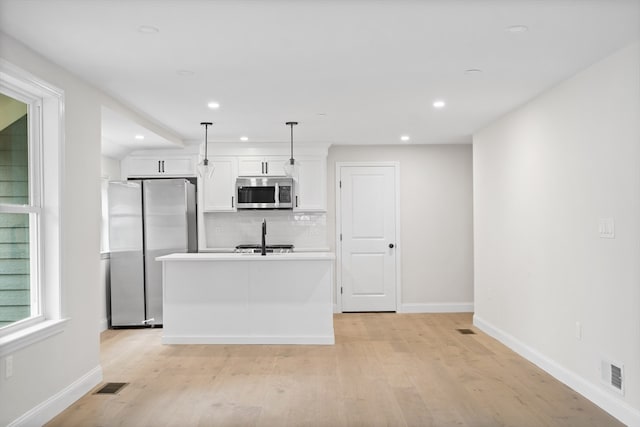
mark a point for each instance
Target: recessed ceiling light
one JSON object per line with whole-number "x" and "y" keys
{"x": 148, "y": 29}
{"x": 473, "y": 72}
{"x": 185, "y": 73}
{"x": 139, "y": 137}
{"x": 438, "y": 104}
{"x": 405, "y": 138}
{"x": 244, "y": 138}
{"x": 518, "y": 29}
{"x": 213, "y": 105}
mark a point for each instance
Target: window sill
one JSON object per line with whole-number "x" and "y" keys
{"x": 30, "y": 335}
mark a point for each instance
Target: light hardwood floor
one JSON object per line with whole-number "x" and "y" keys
{"x": 384, "y": 370}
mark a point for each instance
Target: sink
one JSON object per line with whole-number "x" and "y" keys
{"x": 270, "y": 249}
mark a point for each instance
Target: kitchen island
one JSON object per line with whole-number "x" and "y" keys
{"x": 228, "y": 298}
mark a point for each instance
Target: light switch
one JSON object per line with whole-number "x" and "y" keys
{"x": 606, "y": 228}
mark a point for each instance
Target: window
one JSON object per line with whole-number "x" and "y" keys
{"x": 31, "y": 124}
{"x": 19, "y": 215}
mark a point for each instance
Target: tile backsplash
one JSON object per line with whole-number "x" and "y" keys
{"x": 225, "y": 230}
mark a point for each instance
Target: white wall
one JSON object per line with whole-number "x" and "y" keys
{"x": 436, "y": 220}
{"x": 543, "y": 177}
{"x": 43, "y": 371}
{"x": 111, "y": 171}
{"x": 110, "y": 168}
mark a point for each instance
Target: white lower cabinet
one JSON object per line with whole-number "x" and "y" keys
{"x": 311, "y": 184}
{"x": 219, "y": 190}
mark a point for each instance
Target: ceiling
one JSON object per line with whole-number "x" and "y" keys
{"x": 351, "y": 71}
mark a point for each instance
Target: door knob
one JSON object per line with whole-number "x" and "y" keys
{"x": 391, "y": 245}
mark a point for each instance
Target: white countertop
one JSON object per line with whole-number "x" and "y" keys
{"x": 212, "y": 256}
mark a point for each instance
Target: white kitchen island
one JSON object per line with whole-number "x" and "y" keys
{"x": 227, "y": 298}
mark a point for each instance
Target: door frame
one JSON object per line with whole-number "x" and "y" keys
{"x": 338, "y": 216}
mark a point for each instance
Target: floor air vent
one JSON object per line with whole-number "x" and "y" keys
{"x": 466, "y": 331}
{"x": 110, "y": 388}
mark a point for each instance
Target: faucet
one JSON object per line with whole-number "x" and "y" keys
{"x": 263, "y": 251}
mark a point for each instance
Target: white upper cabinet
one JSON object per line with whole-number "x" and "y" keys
{"x": 311, "y": 184}
{"x": 219, "y": 190}
{"x": 261, "y": 166}
{"x": 159, "y": 166}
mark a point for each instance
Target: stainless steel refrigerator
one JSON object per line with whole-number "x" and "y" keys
{"x": 147, "y": 219}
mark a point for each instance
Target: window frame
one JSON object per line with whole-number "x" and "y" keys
{"x": 33, "y": 208}
{"x": 46, "y": 141}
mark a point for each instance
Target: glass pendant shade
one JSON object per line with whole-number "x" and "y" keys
{"x": 205, "y": 169}
{"x": 291, "y": 167}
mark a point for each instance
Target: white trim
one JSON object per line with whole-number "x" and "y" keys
{"x": 30, "y": 335}
{"x": 338, "y": 225}
{"x": 603, "y": 398}
{"x": 60, "y": 401}
{"x": 249, "y": 339}
{"x": 103, "y": 325}
{"x": 438, "y": 307}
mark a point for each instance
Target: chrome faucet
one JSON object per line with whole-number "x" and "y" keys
{"x": 263, "y": 251}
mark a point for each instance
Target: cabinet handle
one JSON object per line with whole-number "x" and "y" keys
{"x": 262, "y": 170}
{"x": 163, "y": 166}
{"x": 296, "y": 201}
{"x": 266, "y": 168}
{"x": 159, "y": 170}
{"x": 232, "y": 202}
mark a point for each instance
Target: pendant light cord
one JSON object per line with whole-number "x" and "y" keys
{"x": 206, "y": 143}
{"x": 291, "y": 141}
{"x": 292, "y": 124}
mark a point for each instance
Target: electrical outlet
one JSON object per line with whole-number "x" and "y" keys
{"x": 8, "y": 366}
{"x": 578, "y": 331}
{"x": 606, "y": 228}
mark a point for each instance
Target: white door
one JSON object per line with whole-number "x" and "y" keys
{"x": 368, "y": 228}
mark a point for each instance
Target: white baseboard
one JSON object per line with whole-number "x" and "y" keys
{"x": 452, "y": 307}
{"x": 610, "y": 403}
{"x": 60, "y": 401}
{"x": 249, "y": 339}
{"x": 103, "y": 325}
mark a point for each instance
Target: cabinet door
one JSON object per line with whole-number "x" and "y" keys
{"x": 219, "y": 190}
{"x": 178, "y": 166}
{"x": 143, "y": 166}
{"x": 251, "y": 166}
{"x": 275, "y": 165}
{"x": 159, "y": 166}
{"x": 311, "y": 184}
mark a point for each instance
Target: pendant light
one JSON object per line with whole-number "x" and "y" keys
{"x": 290, "y": 167}
{"x": 205, "y": 170}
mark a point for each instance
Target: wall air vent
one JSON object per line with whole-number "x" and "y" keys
{"x": 616, "y": 377}
{"x": 613, "y": 375}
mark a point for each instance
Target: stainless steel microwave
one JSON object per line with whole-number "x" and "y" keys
{"x": 264, "y": 192}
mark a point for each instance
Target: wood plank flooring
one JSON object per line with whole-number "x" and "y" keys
{"x": 385, "y": 369}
